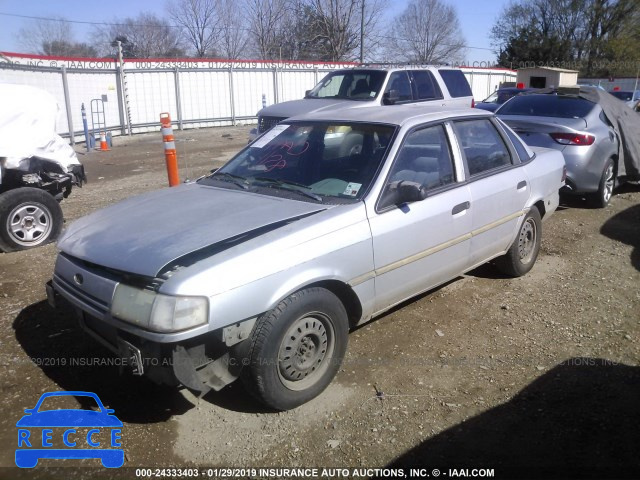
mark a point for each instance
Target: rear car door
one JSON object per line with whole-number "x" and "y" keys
{"x": 498, "y": 186}
{"x": 424, "y": 243}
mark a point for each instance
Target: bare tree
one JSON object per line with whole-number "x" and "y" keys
{"x": 335, "y": 26}
{"x": 145, "y": 36}
{"x": 199, "y": 22}
{"x": 53, "y": 37}
{"x": 267, "y": 21}
{"x": 428, "y": 31}
{"x": 233, "y": 31}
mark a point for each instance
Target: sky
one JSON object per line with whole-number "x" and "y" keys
{"x": 476, "y": 18}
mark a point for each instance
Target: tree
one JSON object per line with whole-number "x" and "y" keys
{"x": 233, "y": 32}
{"x": 428, "y": 31}
{"x": 199, "y": 22}
{"x": 53, "y": 37}
{"x": 268, "y": 21}
{"x": 585, "y": 34}
{"x": 144, "y": 36}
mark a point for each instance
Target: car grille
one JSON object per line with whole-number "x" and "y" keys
{"x": 267, "y": 123}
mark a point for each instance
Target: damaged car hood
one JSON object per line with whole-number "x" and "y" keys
{"x": 145, "y": 234}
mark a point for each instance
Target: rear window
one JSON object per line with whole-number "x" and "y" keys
{"x": 426, "y": 85}
{"x": 456, "y": 83}
{"x": 622, "y": 95}
{"x": 547, "y": 106}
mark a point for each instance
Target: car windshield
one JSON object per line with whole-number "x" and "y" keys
{"x": 349, "y": 85}
{"x": 493, "y": 98}
{"x": 328, "y": 162}
{"x": 547, "y": 106}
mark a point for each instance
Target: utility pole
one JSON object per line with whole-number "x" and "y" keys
{"x": 362, "y": 34}
{"x": 125, "y": 88}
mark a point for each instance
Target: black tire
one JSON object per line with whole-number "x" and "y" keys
{"x": 28, "y": 218}
{"x": 601, "y": 198}
{"x": 310, "y": 324}
{"x": 524, "y": 250}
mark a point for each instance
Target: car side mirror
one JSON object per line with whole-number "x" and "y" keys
{"x": 410, "y": 192}
{"x": 29, "y": 411}
{"x": 306, "y": 93}
{"x": 109, "y": 410}
{"x": 390, "y": 97}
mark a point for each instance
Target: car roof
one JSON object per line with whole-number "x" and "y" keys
{"x": 394, "y": 68}
{"x": 399, "y": 115}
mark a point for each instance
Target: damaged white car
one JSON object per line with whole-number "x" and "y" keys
{"x": 38, "y": 168}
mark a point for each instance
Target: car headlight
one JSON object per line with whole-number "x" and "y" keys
{"x": 158, "y": 312}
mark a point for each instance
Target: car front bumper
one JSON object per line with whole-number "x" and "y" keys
{"x": 200, "y": 363}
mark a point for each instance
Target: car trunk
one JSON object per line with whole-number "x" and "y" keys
{"x": 536, "y": 131}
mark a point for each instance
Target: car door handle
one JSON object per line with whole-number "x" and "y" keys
{"x": 522, "y": 184}
{"x": 461, "y": 207}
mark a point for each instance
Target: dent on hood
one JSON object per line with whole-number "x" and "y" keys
{"x": 205, "y": 252}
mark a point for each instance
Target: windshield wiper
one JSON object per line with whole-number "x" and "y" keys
{"x": 285, "y": 184}
{"x": 237, "y": 180}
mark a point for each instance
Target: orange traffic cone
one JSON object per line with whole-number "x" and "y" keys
{"x": 103, "y": 143}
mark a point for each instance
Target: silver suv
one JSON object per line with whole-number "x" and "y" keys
{"x": 370, "y": 87}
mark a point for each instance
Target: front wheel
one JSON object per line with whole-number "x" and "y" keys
{"x": 297, "y": 348}
{"x": 29, "y": 217}
{"x": 523, "y": 252}
{"x": 605, "y": 188}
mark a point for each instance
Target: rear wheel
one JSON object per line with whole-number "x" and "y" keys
{"x": 607, "y": 182}
{"x": 29, "y": 217}
{"x": 296, "y": 349}
{"x": 524, "y": 250}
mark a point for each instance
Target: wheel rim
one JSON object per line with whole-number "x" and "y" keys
{"x": 29, "y": 224}
{"x": 305, "y": 351}
{"x": 607, "y": 190}
{"x": 527, "y": 240}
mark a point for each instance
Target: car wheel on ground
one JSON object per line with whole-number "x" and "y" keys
{"x": 297, "y": 348}
{"x": 29, "y": 217}
{"x": 607, "y": 182}
{"x": 524, "y": 250}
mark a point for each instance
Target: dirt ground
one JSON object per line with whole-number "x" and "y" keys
{"x": 535, "y": 377}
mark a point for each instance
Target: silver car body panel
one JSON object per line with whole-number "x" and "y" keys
{"x": 585, "y": 163}
{"x": 383, "y": 257}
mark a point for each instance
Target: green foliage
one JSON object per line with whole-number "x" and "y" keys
{"x": 596, "y": 37}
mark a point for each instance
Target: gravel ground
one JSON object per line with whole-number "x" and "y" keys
{"x": 537, "y": 376}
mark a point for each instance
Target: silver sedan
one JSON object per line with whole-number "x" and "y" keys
{"x": 328, "y": 220}
{"x": 579, "y": 129}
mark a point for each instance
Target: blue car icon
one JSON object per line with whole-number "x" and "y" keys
{"x": 39, "y": 429}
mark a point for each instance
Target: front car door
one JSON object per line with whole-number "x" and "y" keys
{"x": 424, "y": 243}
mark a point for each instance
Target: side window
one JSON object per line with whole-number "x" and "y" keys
{"x": 456, "y": 83}
{"x": 518, "y": 145}
{"x": 424, "y": 159}
{"x": 483, "y": 146}
{"x": 399, "y": 87}
{"x": 426, "y": 85}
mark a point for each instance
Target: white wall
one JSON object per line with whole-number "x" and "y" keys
{"x": 211, "y": 93}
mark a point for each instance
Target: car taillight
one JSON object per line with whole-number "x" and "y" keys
{"x": 573, "y": 138}
{"x": 473, "y": 103}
